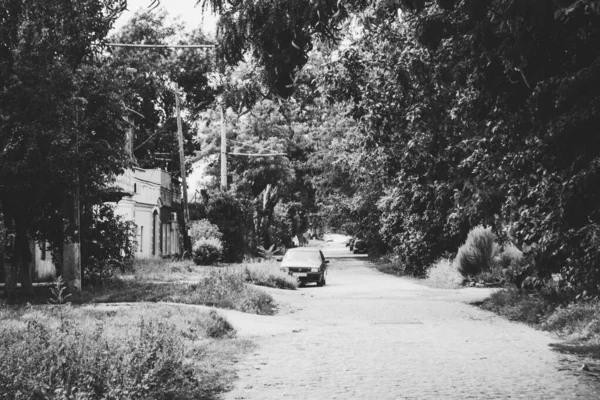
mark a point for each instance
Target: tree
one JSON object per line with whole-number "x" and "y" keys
{"x": 54, "y": 128}
{"x": 153, "y": 74}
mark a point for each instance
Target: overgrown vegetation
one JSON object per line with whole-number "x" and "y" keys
{"x": 60, "y": 352}
{"x": 476, "y": 255}
{"x": 548, "y": 309}
{"x": 268, "y": 274}
{"x": 108, "y": 245}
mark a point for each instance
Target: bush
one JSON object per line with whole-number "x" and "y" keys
{"x": 233, "y": 217}
{"x": 207, "y": 251}
{"x": 444, "y": 273}
{"x": 108, "y": 245}
{"x": 477, "y": 253}
{"x": 203, "y": 229}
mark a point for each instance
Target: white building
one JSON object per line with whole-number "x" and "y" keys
{"x": 152, "y": 201}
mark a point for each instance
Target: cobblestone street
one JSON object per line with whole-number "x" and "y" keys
{"x": 367, "y": 335}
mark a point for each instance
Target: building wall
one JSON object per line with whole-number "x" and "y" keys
{"x": 152, "y": 193}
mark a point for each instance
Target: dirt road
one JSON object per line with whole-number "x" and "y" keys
{"x": 367, "y": 335}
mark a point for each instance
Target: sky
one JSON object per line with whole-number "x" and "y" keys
{"x": 185, "y": 9}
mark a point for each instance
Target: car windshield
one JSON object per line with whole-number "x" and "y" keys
{"x": 306, "y": 256}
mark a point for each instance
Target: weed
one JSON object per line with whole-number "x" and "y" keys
{"x": 444, "y": 273}
{"x": 108, "y": 355}
{"x": 269, "y": 275}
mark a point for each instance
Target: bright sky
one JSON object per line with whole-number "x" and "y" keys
{"x": 185, "y": 9}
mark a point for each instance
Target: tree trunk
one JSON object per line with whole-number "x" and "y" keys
{"x": 10, "y": 266}
{"x": 22, "y": 259}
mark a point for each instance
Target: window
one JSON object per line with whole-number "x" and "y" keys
{"x": 43, "y": 251}
{"x": 141, "y": 239}
{"x": 135, "y": 188}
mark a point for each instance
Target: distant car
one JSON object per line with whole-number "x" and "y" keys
{"x": 360, "y": 246}
{"x": 307, "y": 264}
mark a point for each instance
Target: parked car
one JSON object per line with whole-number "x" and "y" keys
{"x": 360, "y": 246}
{"x": 307, "y": 264}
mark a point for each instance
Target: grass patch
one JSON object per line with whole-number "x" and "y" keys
{"x": 521, "y": 305}
{"x": 223, "y": 288}
{"x": 268, "y": 274}
{"x": 55, "y": 352}
{"x": 160, "y": 280}
{"x": 577, "y": 323}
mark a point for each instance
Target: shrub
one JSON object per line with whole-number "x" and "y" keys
{"x": 269, "y": 275}
{"x": 444, "y": 273}
{"x": 108, "y": 245}
{"x": 233, "y": 217}
{"x": 207, "y": 251}
{"x": 509, "y": 258}
{"x": 203, "y": 229}
{"x": 477, "y": 253}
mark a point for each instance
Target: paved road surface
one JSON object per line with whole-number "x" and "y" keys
{"x": 367, "y": 335}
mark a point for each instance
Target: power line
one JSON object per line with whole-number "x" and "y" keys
{"x": 153, "y": 46}
{"x": 257, "y": 155}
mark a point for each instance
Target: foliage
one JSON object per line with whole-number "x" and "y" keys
{"x": 150, "y": 93}
{"x": 278, "y": 34}
{"x": 104, "y": 355}
{"x": 230, "y": 214}
{"x": 61, "y": 117}
{"x": 444, "y": 273}
{"x": 227, "y": 289}
{"x": 523, "y": 305}
{"x": 269, "y": 275}
{"x": 58, "y": 292}
{"x": 207, "y": 251}
{"x": 108, "y": 245}
{"x": 203, "y": 229}
{"x": 579, "y": 320}
{"x": 476, "y": 255}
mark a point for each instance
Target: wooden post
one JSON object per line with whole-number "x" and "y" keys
{"x": 223, "y": 148}
{"x": 186, "y": 212}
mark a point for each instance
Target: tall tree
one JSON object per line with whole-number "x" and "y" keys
{"x": 154, "y": 74}
{"x": 59, "y": 119}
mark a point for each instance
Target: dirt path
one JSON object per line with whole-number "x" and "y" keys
{"x": 367, "y": 335}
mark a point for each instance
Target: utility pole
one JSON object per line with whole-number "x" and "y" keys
{"x": 186, "y": 211}
{"x": 72, "y": 268}
{"x": 223, "y": 148}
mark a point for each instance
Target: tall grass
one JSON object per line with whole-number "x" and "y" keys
{"x": 268, "y": 274}
{"x": 60, "y": 352}
{"x": 224, "y": 288}
{"x": 476, "y": 255}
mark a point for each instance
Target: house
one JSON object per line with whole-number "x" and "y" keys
{"x": 148, "y": 197}
{"x": 152, "y": 200}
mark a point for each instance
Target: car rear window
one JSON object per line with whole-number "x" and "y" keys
{"x": 311, "y": 256}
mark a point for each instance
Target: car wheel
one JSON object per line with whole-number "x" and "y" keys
{"x": 322, "y": 281}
